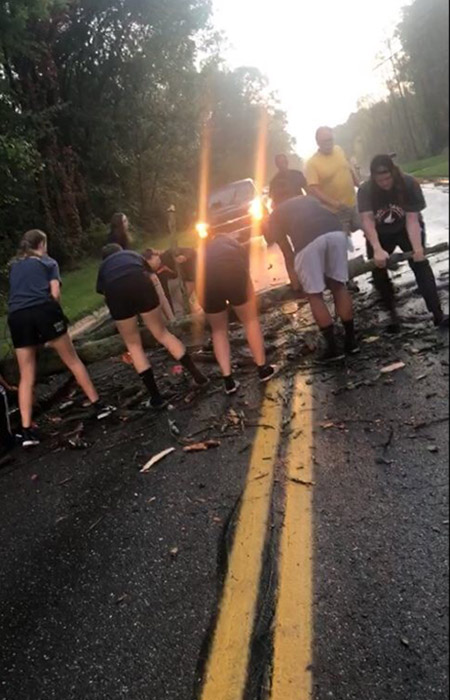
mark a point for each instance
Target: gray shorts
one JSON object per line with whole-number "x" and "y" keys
{"x": 323, "y": 259}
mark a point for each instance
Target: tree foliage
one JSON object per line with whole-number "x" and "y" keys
{"x": 413, "y": 119}
{"x": 101, "y": 108}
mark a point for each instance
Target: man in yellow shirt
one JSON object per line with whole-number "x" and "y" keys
{"x": 332, "y": 180}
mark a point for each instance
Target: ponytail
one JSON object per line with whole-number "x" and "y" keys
{"x": 30, "y": 243}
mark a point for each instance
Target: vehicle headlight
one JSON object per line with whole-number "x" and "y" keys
{"x": 256, "y": 209}
{"x": 202, "y": 229}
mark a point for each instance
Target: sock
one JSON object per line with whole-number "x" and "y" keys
{"x": 229, "y": 382}
{"x": 328, "y": 334}
{"x": 150, "y": 384}
{"x": 349, "y": 327}
{"x": 193, "y": 370}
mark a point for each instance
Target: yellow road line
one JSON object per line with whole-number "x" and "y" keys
{"x": 292, "y": 673}
{"x": 226, "y": 673}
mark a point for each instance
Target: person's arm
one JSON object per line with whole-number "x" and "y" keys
{"x": 415, "y": 236}
{"x": 368, "y": 224}
{"x": 329, "y": 202}
{"x": 314, "y": 189}
{"x": 55, "y": 289}
{"x": 355, "y": 176}
{"x": 165, "y": 306}
{"x": 6, "y": 385}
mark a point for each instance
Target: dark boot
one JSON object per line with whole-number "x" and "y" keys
{"x": 385, "y": 288}
{"x": 330, "y": 351}
{"x": 426, "y": 283}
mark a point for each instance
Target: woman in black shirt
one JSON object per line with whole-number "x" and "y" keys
{"x": 390, "y": 204}
{"x": 124, "y": 279}
{"x": 36, "y": 318}
{"x": 223, "y": 281}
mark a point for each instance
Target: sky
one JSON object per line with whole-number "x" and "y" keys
{"x": 319, "y": 55}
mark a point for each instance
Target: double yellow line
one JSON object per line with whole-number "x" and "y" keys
{"x": 226, "y": 673}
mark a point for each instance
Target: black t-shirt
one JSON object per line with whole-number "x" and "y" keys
{"x": 387, "y": 206}
{"x": 287, "y": 184}
{"x": 119, "y": 265}
{"x": 302, "y": 219}
{"x": 29, "y": 282}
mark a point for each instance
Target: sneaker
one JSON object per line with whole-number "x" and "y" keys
{"x": 267, "y": 373}
{"x": 231, "y": 386}
{"x": 30, "y": 438}
{"x": 157, "y": 404}
{"x": 102, "y": 411}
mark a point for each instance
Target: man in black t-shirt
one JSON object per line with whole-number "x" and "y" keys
{"x": 390, "y": 204}
{"x": 287, "y": 183}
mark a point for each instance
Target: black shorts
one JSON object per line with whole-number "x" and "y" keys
{"x": 220, "y": 290}
{"x": 131, "y": 296}
{"x": 37, "y": 325}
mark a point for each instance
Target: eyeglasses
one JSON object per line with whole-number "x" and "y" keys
{"x": 382, "y": 172}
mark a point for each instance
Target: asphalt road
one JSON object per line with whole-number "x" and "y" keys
{"x": 304, "y": 557}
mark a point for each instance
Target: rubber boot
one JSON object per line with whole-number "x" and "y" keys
{"x": 385, "y": 288}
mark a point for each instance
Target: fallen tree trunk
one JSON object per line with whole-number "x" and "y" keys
{"x": 105, "y": 342}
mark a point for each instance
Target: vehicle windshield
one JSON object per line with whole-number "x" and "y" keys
{"x": 237, "y": 194}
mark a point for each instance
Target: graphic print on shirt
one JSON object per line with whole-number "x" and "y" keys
{"x": 390, "y": 214}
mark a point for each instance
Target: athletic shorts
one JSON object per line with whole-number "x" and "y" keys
{"x": 221, "y": 290}
{"x": 37, "y": 325}
{"x": 322, "y": 260}
{"x": 130, "y": 296}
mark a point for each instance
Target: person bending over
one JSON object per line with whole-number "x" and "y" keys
{"x": 320, "y": 247}
{"x": 35, "y": 318}
{"x": 390, "y": 204}
{"x": 227, "y": 283}
{"x": 129, "y": 292}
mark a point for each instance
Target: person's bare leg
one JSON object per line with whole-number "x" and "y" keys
{"x": 131, "y": 336}
{"x": 320, "y": 311}
{"x": 155, "y": 324}
{"x": 221, "y": 340}
{"x": 26, "y": 359}
{"x": 344, "y": 307}
{"x": 154, "y": 321}
{"x": 342, "y": 299}
{"x": 66, "y": 351}
{"x": 248, "y": 315}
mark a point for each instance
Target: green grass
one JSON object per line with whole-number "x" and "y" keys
{"x": 432, "y": 168}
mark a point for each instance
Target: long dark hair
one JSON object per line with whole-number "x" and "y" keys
{"x": 118, "y": 232}
{"x": 385, "y": 162}
{"x": 29, "y": 244}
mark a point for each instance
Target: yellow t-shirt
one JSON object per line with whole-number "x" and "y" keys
{"x": 333, "y": 175}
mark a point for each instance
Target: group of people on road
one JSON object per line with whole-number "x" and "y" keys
{"x": 313, "y": 226}
{"x": 312, "y": 220}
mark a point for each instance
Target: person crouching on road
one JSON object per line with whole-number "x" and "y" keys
{"x": 226, "y": 281}
{"x": 390, "y": 204}
{"x": 35, "y": 318}
{"x": 124, "y": 280}
{"x": 320, "y": 247}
